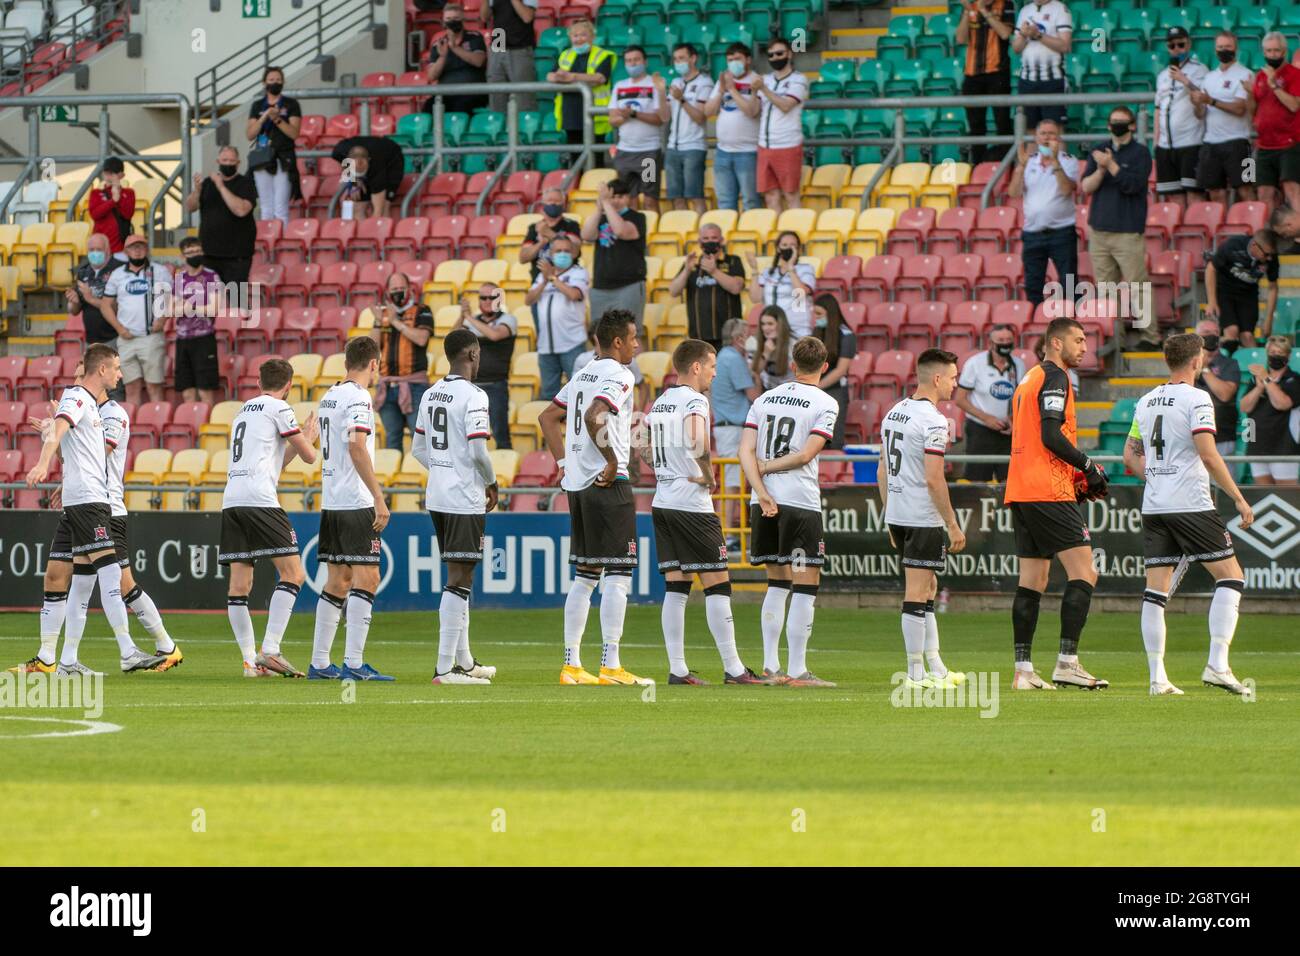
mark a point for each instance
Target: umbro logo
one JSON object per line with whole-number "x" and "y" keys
{"x": 1276, "y": 529}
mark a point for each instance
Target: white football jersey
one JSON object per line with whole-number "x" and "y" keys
{"x": 257, "y": 448}
{"x": 913, "y": 429}
{"x": 784, "y": 418}
{"x": 345, "y": 408}
{"x": 602, "y": 379}
{"x": 117, "y": 432}
{"x": 674, "y": 459}
{"x": 1166, "y": 419}
{"x": 453, "y": 413}
{"x": 85, "y": 460}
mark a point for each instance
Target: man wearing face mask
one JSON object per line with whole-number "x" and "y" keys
{"x": 688, "y": 97}
{"x": 1224, "y": 94}
{"x": 1232, "y": 287}
{"x": 1116, "y": 178}
{"x": 780, "y": 128}
{"x": 1180, "y": 120}
{"x": 403, "y": 325}
{"x": 85, "y": 297}
{"x": 619, "y": 232}
{"x": 1221, "y": 377}
{"x": 136, "y": 302}
{"x": 537, "y": 241}
{"x": 112, "y": 205}
{"x": 590, "y": 65}
{"x": 457, "y": 56}
{"x": 639, "y": 110}
{"x": 225, "y": 203}
{"x": 558, "y": 298}
{"x": 1273, "y": 404}
{"x": 1275, "y": 102}
{"x": 496, "y": 331}
{"x": 988, "y": 381}
{"x": 712, "y": 279}
{"x": 196, "y": 293}
{"x": 735, "y": 103}
{"x": 1046, "y": 181}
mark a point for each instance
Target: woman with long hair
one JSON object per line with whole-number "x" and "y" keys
{"x": 787, "y": 283}
{"x": 771, "y": 362}
{"x": 841, "y": 347}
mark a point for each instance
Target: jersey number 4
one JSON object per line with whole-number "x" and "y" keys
{"x": 1158, "y": 438}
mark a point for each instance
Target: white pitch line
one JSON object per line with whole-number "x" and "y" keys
{"x": 550, "y": 700}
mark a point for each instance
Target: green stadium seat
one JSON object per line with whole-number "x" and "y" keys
{"x": 837, "y": 71}
{"x": 945, "y": 151}
{"x": 868, "y": 154}
{"x": 906, "y": 28}
{"x": 477, "y": 163}
{"x": 940, "y": 37}
{"x": 1167, "y": 15}
{"x": 454, "y": 126}
{"x": 486, "y": 128}
{"x": 1123, "y": 411}
{"x": 831, "y": 155}
{"x": 659, "y": 40}
{"x": 1253, "y": 23}
{"x": 1287, "y": 319}
{"x": 1085, "y": 26}
{"x": 649, "y": 13}
{"x": 617, "y": 37}
{"x": 1135, "y": 29}
{"x": 413, "y": 130}
{"x": 734, "y": 32}
{"x": 683, "y": 14}
{"x": 897, "y": 45}
{"x": 701, "y": 35}
{"x": 1143, "y": 68}
{"x": 907, "y": 78}
{"x": 796, "y": 24}
{"x": 834, "y": 123}
{"x": 945, "y": 78}
{"x": 1076, "y": 68}
{"x": 826, "y": 89}
{"x": 1248, "y": 357}
{"x": 951, "y": 121}
{"x": 554, "y": 38}
{"x": 759, "y": 16}
{"x": 722, "y": 13}
{"x": 1210, "y": 20}
{"x": 1105, "y": 72}
{"x": 810, "y": 121}
{"x": 873, "y": 74}
{"x": 873, "y": 124}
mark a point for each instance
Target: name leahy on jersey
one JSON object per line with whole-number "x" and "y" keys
{"x": 117, "y": 433}
{"x": 453, "y": 413}
{"x": 604, "y": 380}
{"x": 85, "y": 461}
{"x": 912, "y": 430}
{"x": 257, "y": 447}
{"x": 1166, "y": 421}
{"x": 675, "y": 459}
{"x": 345, "y": 408}
{"x": 784, "y": 418}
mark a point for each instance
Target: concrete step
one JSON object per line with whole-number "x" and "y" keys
{"x": 1133, "y": 386}
{"x": 29, "y": 345}
{"x": 1090, "y": 414}
{"x": 44, "y": 323}
{"x": 1142, "y": 364}
{"x": 859, "y": 39}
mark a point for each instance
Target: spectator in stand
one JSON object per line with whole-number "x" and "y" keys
{"x": 196, "y": 294}
{"x": 730, "y": 396}
{"x": 736, "y": 105}
{"x": 497, "y": 330}
{"x": 85, "y": 296}
{"x": 112, "y": 205}
{"x": 984, "y": 390}
{"x": 225, "y": 202}
{"x": 688, "y": 98}
{"x": 274, "y": 121}
{"x": 403, "y": 327}
{"x": 457, "y": 56}
{"x": 583, "y": 62}
{"x": 375, "y": 174}
{"x": 780, "y": 140}
{"x": 540, "y": 235}
{"x": 638, "y": 109}
{"x": 1116, "y": 178}
{"x": 619, "y": 232}
{"x": 1273, "y": 404}
{"x": 985, "y": 30}
{"x": 558, "y": 298}
{"x": 136, "y": 303}
{"x": 1232, "y": 287}
{"x": 1180, "y": 120}
{"x": 711, "y": 279}
{"x": 772, "y": 364}
{"x": 516, "y": 62}
{"x": 1046, "y": 181}
{"x": 1224, "y": 95}
{"x": 841, "y": 344}
{"x": 1285, "y": 223}
{"x": 1044, "y": 30}
{"x": 787, "y": 282}
{"x": 1221, "y": 377}
{"x": 1275, "y": 104}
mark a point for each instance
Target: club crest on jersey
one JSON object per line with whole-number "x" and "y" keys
{"x": 631, "y": 548}
{"x": 101, "y": 534}
{"x": 482, "y": 543}
{"x": 374, "y": 547}
{"x": 1087, "y": 535}
{"x": 821, "y": 549}
{"x": 293, "y": 538}
{"x": 722, "y": 552}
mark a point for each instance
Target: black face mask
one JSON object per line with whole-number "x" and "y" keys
{"x": 1275, "y": 61}
{"x": 1211, "y": 342}
{"x": 454, "y": 26}
{"x": 778, "y": 63}
{"x": 1277, "y": 362}
{"x": 1004, "y": 350}
{"x": 137, "y": 260}
{"x": 397, "y": 298}
{"x": 711, "y": 248}
{"x": 1119, "y": 129}
{"x": 1226, "y": 56}
{"x": 786, "y": 254}
{"x": 194, "y": 261}
{"x": 274, "y": 88}
{"x": 228, "y": 169}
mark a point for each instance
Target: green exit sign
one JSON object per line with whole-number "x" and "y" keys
{"x": 256, "y": 9}
{"x": 60, "y": 114}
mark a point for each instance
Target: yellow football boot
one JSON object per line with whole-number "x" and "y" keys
{"x": 570, "y": 674}
{"x": 621, "y": 675}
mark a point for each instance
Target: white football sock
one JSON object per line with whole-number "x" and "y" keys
{"x": 1224, "y": 607}
{"x": 717, "y": 610}
{"x": 74, "y": 625}
{"x": 53, "y": 610}
{"x": 673, "y": 618}
{"x": 110, "y": 596}
{"x": 773, "y": 619}
{"x": 241, "y": 623}
{"x": 464, "y": 657}
{"x": 361, "y": 604}
{"x": 283, "y": 599}
{"x": 798, "y": 630}
{"x": 914, "y": 637}
{"x": 933, "y": 663}
{"x": 614, "y": 591}
{"x": 329, "y": 609}
{"x": 451, "y": 620}
{"x": 577, "y": 605}
{"x": 146, "y": 612}
{"x": 1153, "y": 634}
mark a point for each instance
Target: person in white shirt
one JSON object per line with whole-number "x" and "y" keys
{"x": 984, "y": 390}
{"x": 264, "y": 437}
{"x": 558, "y": 298}
{"x": 787, "y": 283}
{"x": 674, "y": 441}
{"x": 638, "y": 110}
{"x": 688, "y": 98}
{"x": 785, "y": 431}
{"x": 1044, "y": 29}
{"x": 136, "y": 301}
{"x": 1046, "y": 180}
{"x": 1226, "y": 146}
{"x": 780, "y": 128}
{"x": 353, "y": 514}
{"x": 1171, "y": 445}
{"x": 451, "y": 436}
{"x": 736, "y": 104}
{"x": 914, "y": 496}
{"x": 1180, "y": 120}
{"x": 589, "y": 431}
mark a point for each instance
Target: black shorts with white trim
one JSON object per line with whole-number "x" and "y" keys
{"x": 248, "y": 534}
{"x": 348, "y": 537}
{"x": 921, "y": 547}
{"x": 793, "y": 536}
{"x": 82, "y": 529}
{"x": 460, "y": 537}
{"x": 603, "y": 524}
{"x": 1196, "y": 536}
{"x": 689, "y": 541}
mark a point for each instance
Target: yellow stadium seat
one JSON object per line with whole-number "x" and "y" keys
{"x": 906, "y": 181}
{"x": 187, "y": 468}
{"x": 671, "y": 329}
{"x": 365, "y": 322}
{"x": 592, "y": 178}
{"x": 798, "y": 221}
{"x": 675, "y": 229}
{"x": 525, "y": 435}
{"x": 651, "y": 318}
{"x": 527, "y": 339}
{"x": 489, "y": 270}
{"x": 292, "y": 495}
{"x": 388, "y": 461}
{"x": 753, "y": 229}
{"x": 724, "y": 219}
{"x": 517, "y": 282}
{"x": 654, "y": 366}
{"x": 444, "y": 319}
{"x": 8, "y": 285}
{"x": 412, "y": 474}
{"x": 27, "y": 254}
{"x": 335, "y": 367}
{"x": 301, "y": 409}
{"x": 941, "y": 190}
{"x": 214, "y": 435}
{"x": 869, "y": 232}
{"x": 831, "y": 233}
{"x": 218, "y": 465}
{"x": 306, "y": 369}
{"x": 58, "y": 210}
{"x": 851, "y": 194}
{"x": 408, "y": 502}
{"x": 651, "y": 221}
{"x": 824, "y": 188}
{"x": 64, "y": 252}
{"x": 448, "y": 280}
{"x": 659, "y": 289}
{"x": 150, "y": 468}
{"x": 507, "y": 248}
{"x": 505, "y": 461}
{"x": 518, "y": 225}
{"x": 525, "y": 377}
{"x": 10, "y": 235}
{"x": 145, "y": 192}
{"x": 441, "y": 366}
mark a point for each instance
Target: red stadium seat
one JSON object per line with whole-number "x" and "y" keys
{"x": 249, "y": 387}
{"x": 830, "y": 474}
{"x": 330, "y": 246}
{"x": 855, "y": 314}
{"x": 1243, "y": 218}
{"x": 37, "y": 383}
{"x": 294, "y": 241}
{"x": 295, "y": 330}
{"x": 993, "y": 229}
{"x": 1027, "y": 356}
{"x": 268, "y": 233}
{"x": 960, "y": 274}
{"x": 1162, "y": 220}
{"x": 12, "y": 368}
{"x": 517, "y": 196}
{"x": 300, "y": 279}
{"x": 481, "y": 238}
{"x": 339, "y": 127}
{"x": 368, "y": 287}
{"x": 527, "y": 503}
{"x": 951, "y": 231}
{"x": 919, "y": 274}
{"x": 150, "y": 419}
{"x": 371, "y": 235}
{"x": 440, "y": 192}
{"x": 910, "y": 232}
{"x": 838, "y": 274}
{"x": 331, "y": 334}
{"x": 310, "y": 186}
{"x": 956, "y": 420}
{"x": 886, "y": 382}
{"x": 467, "y": 202}
{"x": 419, "y": 272}
{"x": 859, "y": 369}
{"x": 256, "y": 334}
{"x": 1200, "y": 224}
{"x": 876, "y": 284}
{"x": 884, "y": 322}
{"x": 965, "y": 327}
{"x": 925, "y": 322}
{"x": 536, "y": 468}
{"x": 1003, "y": 274}
{"x": 335, "y": 284}
{"x": 12, "y": 417}
{"x": 969, "y": 194}
{"x": 444, "y": 238}
{"x": 183, "y": 430}
{"x": 266, "y": 275}
{"x": 1016, "y": 313}
{"x": 11, "y": 466}
{"x": 1166, "y": 270}
{"x": 407, "y": 238}
{"x": 311, "y": 129}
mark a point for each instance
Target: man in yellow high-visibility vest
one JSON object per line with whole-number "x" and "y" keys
{"x": 583, "y": 62}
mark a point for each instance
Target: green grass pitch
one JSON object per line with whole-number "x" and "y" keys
{"x": 212, "y": 769}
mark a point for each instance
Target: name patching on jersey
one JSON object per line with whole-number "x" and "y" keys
{"x": 605, "y": 380}
{"x": 257, "y": 449}
{"x": 785, "y": 417}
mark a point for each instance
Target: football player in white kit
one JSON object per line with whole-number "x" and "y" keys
{"x": 353, "y": 514}
{"x": 786, "y": 430}
{"x": 674, "y": 441}
{"x": 264, "y": 437}
{"x": 451, "y": 432}
{"x": 914, "y": 495}
{"x": 588, "y": 429}
{"x": 1171, "y": 444}
{"x": 84, "y": 537}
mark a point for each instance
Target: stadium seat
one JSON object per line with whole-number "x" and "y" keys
{"x": 925, "y": 322}
{"x": 910, "y": 232}
{"x": 917, "y": 278}
{"x": 883, "y": 326}
{"x": 525, "y": 435}
{"x": 1243, "y": 218}
{"x": 950, "y": 231}
{"x": 993, "y": 229}
{"x": 961, "y": 272}
{"x": 876, "y": 284}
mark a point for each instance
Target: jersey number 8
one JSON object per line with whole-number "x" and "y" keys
{"x": 779, "y": 433}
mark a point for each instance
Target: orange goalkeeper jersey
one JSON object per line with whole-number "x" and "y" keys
{"x": 1035, "y": 474}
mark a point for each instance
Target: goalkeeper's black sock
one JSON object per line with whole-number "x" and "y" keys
{"x": 1075, "y": 603}
{"x": 1024, "y": 621}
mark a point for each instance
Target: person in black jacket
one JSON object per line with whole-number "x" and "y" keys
{"x": 377, "y": 170}
{"x": 274, "y": 121}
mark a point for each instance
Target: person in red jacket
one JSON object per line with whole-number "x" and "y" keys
{"x": 112, "y": 205}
